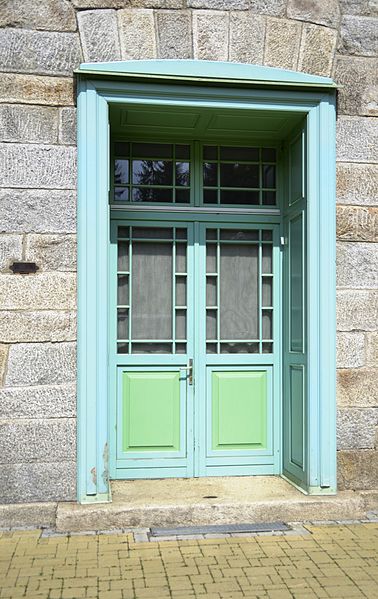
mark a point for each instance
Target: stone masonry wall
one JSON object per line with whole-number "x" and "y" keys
{"x": 40, "y": 45}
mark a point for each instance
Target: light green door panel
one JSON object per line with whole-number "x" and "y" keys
{"x": 297, "y": 378}
{"x": 151, "y": 411}
{"x": 239, "y": 410}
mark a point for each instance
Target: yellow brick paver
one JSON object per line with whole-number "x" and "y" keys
{"x": 333, "y": 561}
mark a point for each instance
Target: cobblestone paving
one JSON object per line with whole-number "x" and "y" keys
{"x": 322, "y": 561}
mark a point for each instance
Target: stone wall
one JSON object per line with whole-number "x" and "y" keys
{"x": 40, "y": 45}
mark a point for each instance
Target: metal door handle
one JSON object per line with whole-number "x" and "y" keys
{"x": 189, "y": 370}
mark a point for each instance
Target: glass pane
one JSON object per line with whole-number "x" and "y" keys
{"x": 267, "y": 235}
{"x": 211, "y": 348}
{"x": 210, "y": 174}
{"x": 180, "y": 291}
{"x": 267, "y": 292}
{"x": 123, "y": 290}
{"x": 211, "y": 324}
{"x": 269, "y": 175}
{"x": 211, "y": 257}
{"x": 152, "y": 195}
{"x": 210, "y": 152}
{"x": 211, "y": 291}
{"x": 181, "y": 233}
{"x": 123, "y": 255}
{"x": 182, "y": 196}
{"x": 269, "y": 198}
{"x": 180, "y": 257}
{"x": 267, "y": 259}
{"x": 182, "y": 151}
{"x": 124, "y": 232}
{"x": 121, "y": 148}
{"x": 151, "y": 348}
{"x": 268, "y": 154}
{"x": 296, "y": 284}
{"x": 210, "y": 196}
{"x": 267, "y": 348}
{"x": 239, "y": 348}
{"x": 151, "y": 291}
{"x": 152, "y": 233}
{"x": 152, "y": 172}
{"x": 183, "y": 173}
{"x": 180, "y": 324}
{"x": 211, "y": 234}
{"x": 239, "y": 197}
{"x": 121, "y": 194}
{"x": 121, "y": 171}
{"x": 248, "y": 154}
{"x": 122, "y": 324}
{"x": 267, "y": 324}
{"x": 152, "y": 150}
{"x": 237, "y": 234}
{"x": 239, "y": 303}
{"x": 180, "y": 348}
{"x": 123, "y": 348}
{"x": 239, "y": 175}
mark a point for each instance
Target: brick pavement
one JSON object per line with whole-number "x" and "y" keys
{"x": 338, "y": 561}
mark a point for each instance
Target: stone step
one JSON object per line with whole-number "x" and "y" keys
{"x": 207, "y": 501}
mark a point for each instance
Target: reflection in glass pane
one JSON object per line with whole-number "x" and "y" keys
{"x": 152, "y": 150}
{"x": 121, "y": 194}
{"x": 239, "y": 175}
{"x": 239, "y": 348}
{"x": 182, "y": 196}
{"x": 210, "y": 196}
{"x": 121, "y": 171}
{"x": 247, "y": 154}
{"x": 180, "y": 324}
{"x": 211, "y": 324}
{"x": 211, "y": 234}
{"x": 238, "y": 234}
{"x": 267, "y": 292}
{"x": 180, "y": 291}
{"x": 210, "y": 174}
{"x": 267, "y": 324}
{"x": 210, "y": 152}
{"x": 269, "y": 198}
{"x": 296, "y": 284}
{"x": 152, "y": 172}
{"x": 183, "y": 173}
{"x": 122, "y": 348}
{"x": 269, "y": 175}
{"x": 267, "y": 259}
{"x": 124, "y": 232}
{"x": 211, "y": 258}
{"x": 267, "y": 348}
{"x": 183, "y": 152}
{"x": 239, "y": 197}
{"x": 180, "y": 348}
{"x": 181, "y": 233}
{"x": 180, "y": 257}
{"x": 152, "y": 195}
{"x": 239, "y": 296}
{"x": 123, "y": 290}
{"x": 123, "y": 255}
{"x": 268, "y": 154}
{"x": 151, "y": 348}
{"x": 211, "y": 291}
{"x": 121, "y": 148}
{"x": 151, "y": 291}
{"x": 123, "y": 323}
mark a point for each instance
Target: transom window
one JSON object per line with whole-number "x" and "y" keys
{"x": 163, "y": 173}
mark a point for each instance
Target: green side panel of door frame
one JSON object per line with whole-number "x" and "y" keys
{"x": 151, "y": 411}
{"x": 239, "y": 410}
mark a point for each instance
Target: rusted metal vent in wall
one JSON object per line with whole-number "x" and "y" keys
{"x": 220, "y": 529}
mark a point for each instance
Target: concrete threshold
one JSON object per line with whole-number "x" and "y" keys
{"x": 215, "y": 500}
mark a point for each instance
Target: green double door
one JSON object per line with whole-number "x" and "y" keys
{"x": 195, "y": 341}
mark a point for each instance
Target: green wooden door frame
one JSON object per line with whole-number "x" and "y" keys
{"x": 222, "y": 86}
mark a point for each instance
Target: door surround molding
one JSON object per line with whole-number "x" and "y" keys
{"x": 212, "y": 85}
